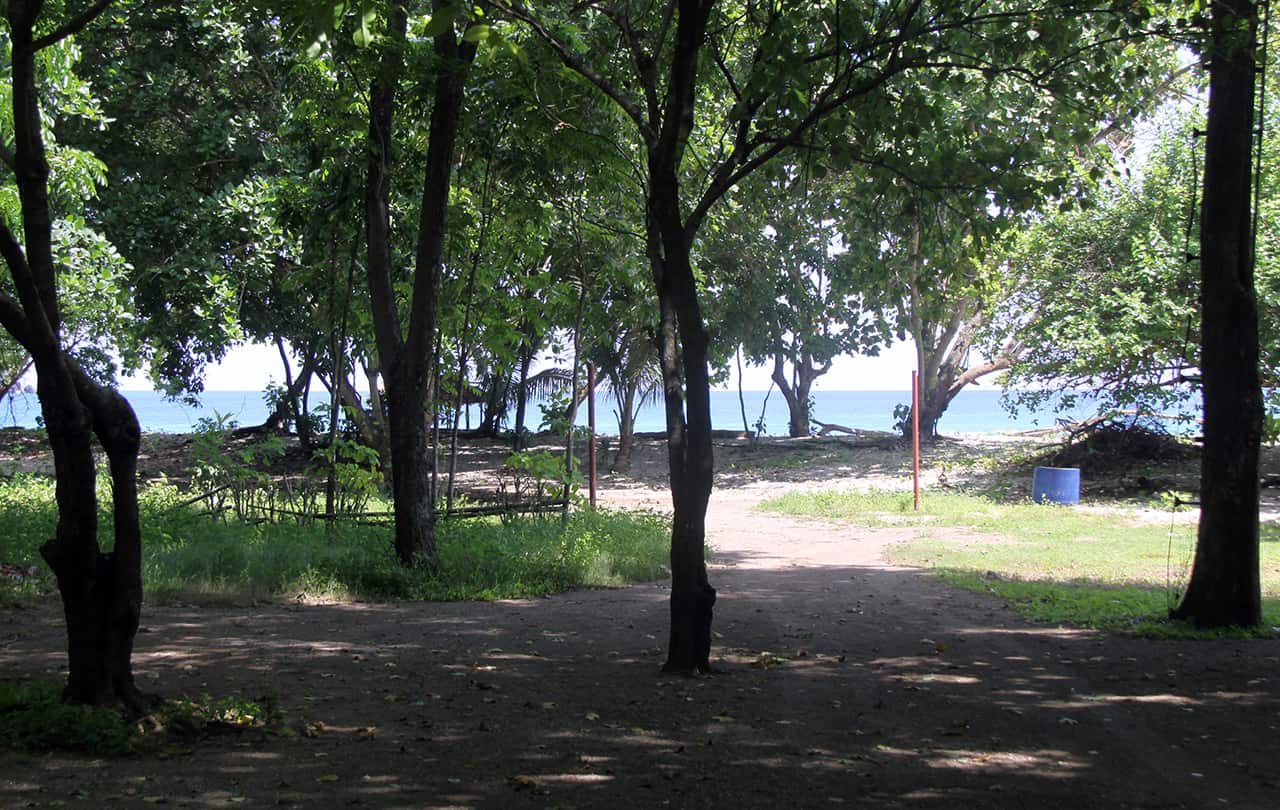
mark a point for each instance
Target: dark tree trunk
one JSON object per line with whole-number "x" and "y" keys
{"x": 682, "y": 350}
{"x": 288, "y": 409}
{"x": 522, "y": 396}
{"x": 1224, "y": 587}
{"x": 101, "y": 593}
{"x": 408, "y": 361}
{"x": 626, "y": 429}
{"x": 796, "y": 392}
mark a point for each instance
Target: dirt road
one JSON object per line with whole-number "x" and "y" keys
{"x": 845, "y": 682}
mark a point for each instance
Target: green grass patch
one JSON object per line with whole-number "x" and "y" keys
{"x": 1052, "y": 564}
{"x": 189, "y": 557}
{"x": 34, "y": 720}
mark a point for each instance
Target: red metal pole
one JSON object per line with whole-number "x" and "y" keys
{"x": 915, "y": 436}
{"x": 591, "y": 437}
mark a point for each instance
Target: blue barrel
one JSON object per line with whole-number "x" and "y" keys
{"x": 1056, "y": 485}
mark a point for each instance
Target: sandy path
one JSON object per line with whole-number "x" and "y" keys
{"x": 847, "y": 682}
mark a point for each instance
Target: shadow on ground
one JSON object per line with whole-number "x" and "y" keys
{"x": 841, "y": 686}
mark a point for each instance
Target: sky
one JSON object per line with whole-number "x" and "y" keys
{"x": 250, "y": 367}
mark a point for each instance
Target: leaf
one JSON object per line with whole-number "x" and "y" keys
{"x": 593, "y": 716}
{"x": 476, "y": 33}
{"x": 329, "y": 777}
{"x": 440, "y": 22}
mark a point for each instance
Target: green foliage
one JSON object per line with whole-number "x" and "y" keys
{"x": 29, "y": 516}
{"x": 534, "y": 475}
{"x": 357, "y": 471}
{"x": 1104, "y": 297}
{"x": 37, "y": 721}
{"x": 231, "y": 476}
{"x": 1054, "y": 564}
{"x": 93, "y": 296}
{"x": 186, "y": 715}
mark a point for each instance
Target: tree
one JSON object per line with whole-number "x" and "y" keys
{"x": 1224, "y": 588}
{"x": 1103, "y": 296}
{"x": 786, "y": 286}
{"x": 717, "y": 90}
{"x": 101, "y": 592}
{"x": 407, "y": 355}
{"x": 192, "y": 199}
{"x": 943, "y": 193}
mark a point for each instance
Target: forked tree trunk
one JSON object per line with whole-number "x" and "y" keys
{"x": 101, "y": 593}
{"x": 796, "y": 392}
{"x": 408, "y": 359}
{"x": 112, "y": 623}
{"x": 1224, "y": 587}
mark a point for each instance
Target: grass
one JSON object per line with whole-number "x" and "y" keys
{"x": 189, "y": 557}
{"x": 36, "y": 721}
{"x": 1052, "y": 564}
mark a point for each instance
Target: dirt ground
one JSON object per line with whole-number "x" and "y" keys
{"x": 844, "y": 682}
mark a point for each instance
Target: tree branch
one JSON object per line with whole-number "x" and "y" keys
{"x": 28, "y": 294}
{"x": 73, "y": 26}
{"x": 577, "y": 65}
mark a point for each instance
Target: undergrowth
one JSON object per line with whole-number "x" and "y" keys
{"x": 1051, "y": 564}
{"x": 36, "y": 721}
{"x": 188, "y": 557}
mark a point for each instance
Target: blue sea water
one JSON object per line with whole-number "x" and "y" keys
{"x": 973, "y": 411}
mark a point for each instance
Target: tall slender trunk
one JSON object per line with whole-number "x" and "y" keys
{"x": 626, "y": 427}
{"x": 522, "y": 395}
{"x": 1224, "y": 588}
{"x": 569, "y": 459}
{"x": 407, "y": 357}
{"x": 682, "y": 344}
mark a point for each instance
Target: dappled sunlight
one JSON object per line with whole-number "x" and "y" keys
{"x": 839, "y": 681}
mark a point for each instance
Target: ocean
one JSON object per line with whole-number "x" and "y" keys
{"x": 973, "y": 411}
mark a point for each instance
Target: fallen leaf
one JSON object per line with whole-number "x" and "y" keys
{"x": 329, "y": 777}
{"x": 592, "y": 716}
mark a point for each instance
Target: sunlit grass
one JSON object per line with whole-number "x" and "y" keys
{"x": 190, "y": 557}
{"x": 1053, "y": 564}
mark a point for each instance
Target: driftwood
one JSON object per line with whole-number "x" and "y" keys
{"x": 827, "y": 428}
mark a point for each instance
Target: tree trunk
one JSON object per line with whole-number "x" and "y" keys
{"x": 522, "y": 396}
{"x": 626, "y": 430}
{"x": 101, "y": 593}
{"x": 1224, "y": 587}
{"x": 796, "y": 392}
{"x": 412, "y": 461}
{"x": 683, "y": 354}
{"x": 407, "y": 358}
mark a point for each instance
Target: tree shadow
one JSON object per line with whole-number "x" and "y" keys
{"x": 860, "y": 685}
